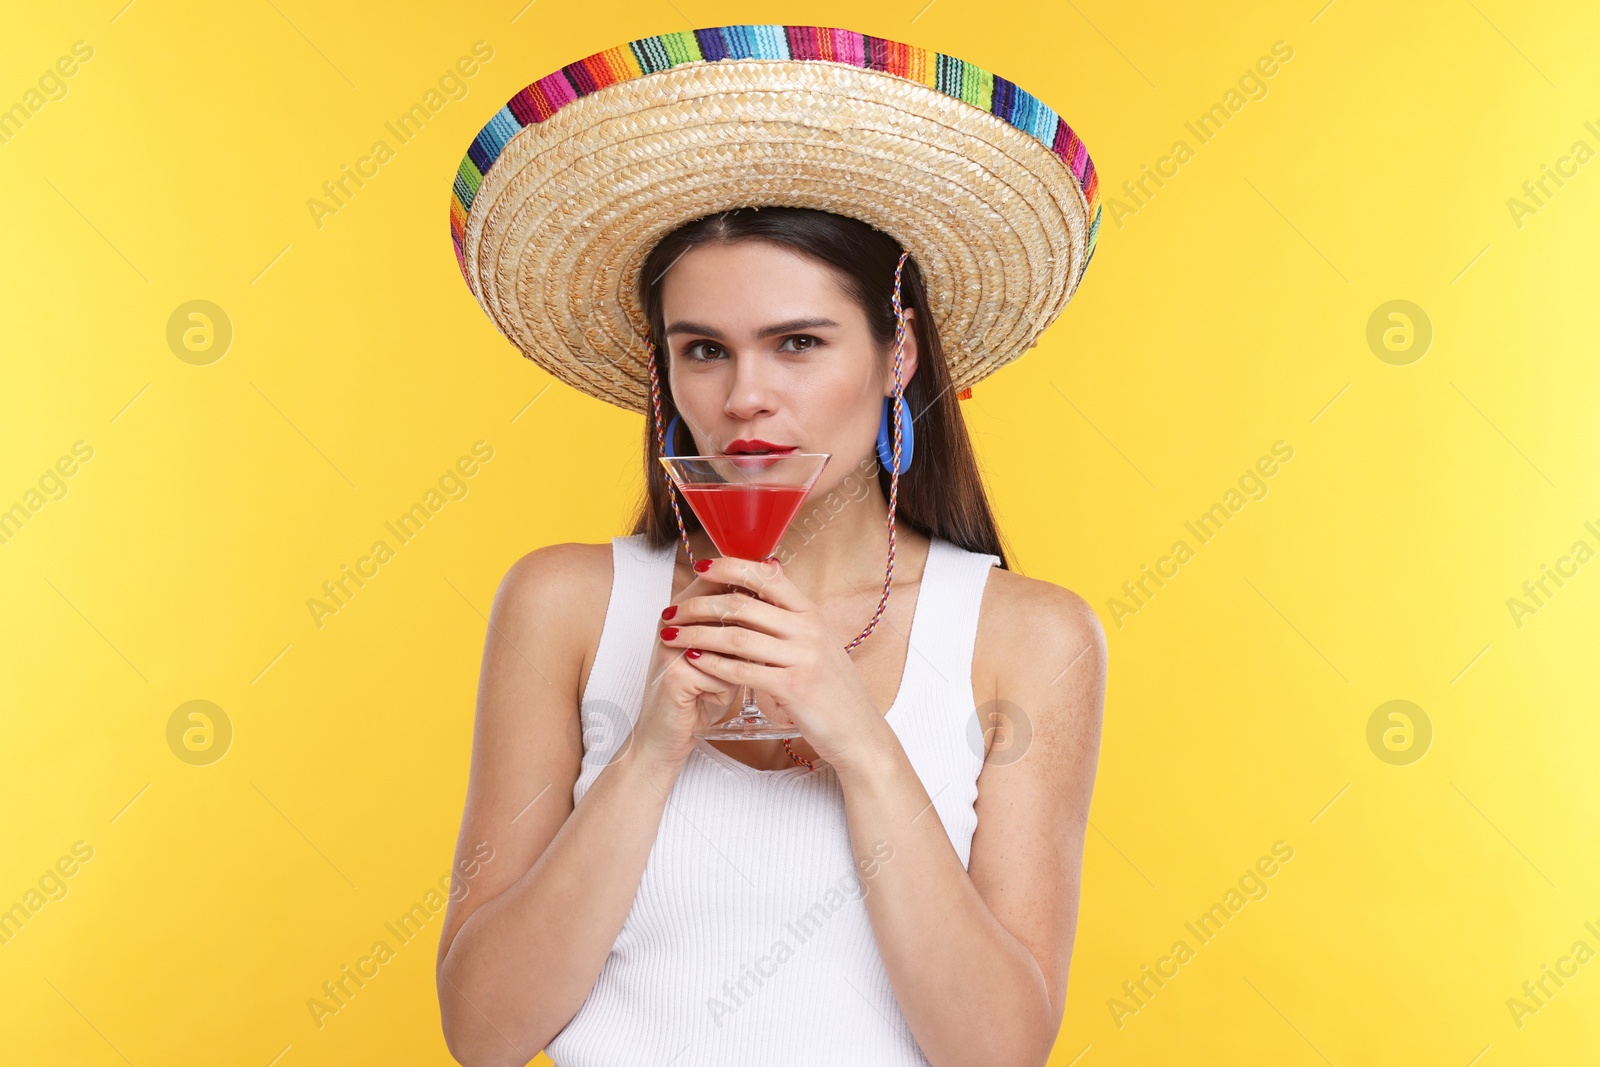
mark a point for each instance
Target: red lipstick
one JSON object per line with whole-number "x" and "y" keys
{"x": 740, "y": 445}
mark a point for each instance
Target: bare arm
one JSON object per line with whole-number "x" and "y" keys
{"x": 978, "y": 958}
{"x": 526, "y": 934}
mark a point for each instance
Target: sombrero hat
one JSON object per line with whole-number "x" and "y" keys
{"x": 567, "y": 188}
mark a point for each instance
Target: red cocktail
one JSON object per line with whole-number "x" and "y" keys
{"x": 745, "y": 521}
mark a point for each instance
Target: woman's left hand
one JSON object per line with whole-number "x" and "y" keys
{"x": 778, "y": 645}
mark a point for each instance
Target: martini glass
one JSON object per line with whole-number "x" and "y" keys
{"x": 746, "y": 503}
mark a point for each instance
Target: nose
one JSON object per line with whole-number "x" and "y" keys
{"x": 751, "y": 393}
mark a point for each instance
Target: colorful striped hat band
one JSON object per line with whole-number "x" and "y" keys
{"x": 567, "y": 189}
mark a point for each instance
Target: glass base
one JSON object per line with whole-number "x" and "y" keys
{"x": 749, "y": 724}
{"x": 748, "y": 728}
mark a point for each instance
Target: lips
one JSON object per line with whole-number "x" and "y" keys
{"x": 756, "y": 446}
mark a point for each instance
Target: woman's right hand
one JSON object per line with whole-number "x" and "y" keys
{"x": 679, "y": 698}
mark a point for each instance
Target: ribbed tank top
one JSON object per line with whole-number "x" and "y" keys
{"x": 748, "y": 940}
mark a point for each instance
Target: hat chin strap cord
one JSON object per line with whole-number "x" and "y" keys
{"x": 894, "y": 471}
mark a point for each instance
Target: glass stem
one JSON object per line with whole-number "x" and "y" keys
{"x": 747, "y": 702}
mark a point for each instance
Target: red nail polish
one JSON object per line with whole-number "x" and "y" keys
{"x": 670, "y": 612}
{"x": 693, "y": 653}
{"x": 702, "y": 565}
{"x": 669, "y": 633}
{"x": 770, "y": 559}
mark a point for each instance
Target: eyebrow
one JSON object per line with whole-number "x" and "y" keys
{"x": 766, "y": 331}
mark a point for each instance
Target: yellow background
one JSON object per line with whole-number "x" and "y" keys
{"x": 1225, "y": 314}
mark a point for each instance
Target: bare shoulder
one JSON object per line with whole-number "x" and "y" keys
{"x": 559, "y": 571}
{"x": 1030, "y": 631}
{"x": 558, "y": 596}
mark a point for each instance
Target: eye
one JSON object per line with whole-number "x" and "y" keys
{"x": 690, "y": 352}
{"x": 813, "y": 342}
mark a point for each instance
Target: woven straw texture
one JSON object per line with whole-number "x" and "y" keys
{"x": 566, "y": 190}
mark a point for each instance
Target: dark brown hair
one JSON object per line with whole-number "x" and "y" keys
{"x": 942, "y": 494}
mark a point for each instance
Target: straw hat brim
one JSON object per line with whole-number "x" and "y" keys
{"x": 559, "y": 227}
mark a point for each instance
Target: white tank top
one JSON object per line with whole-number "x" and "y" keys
{"x": 748, "y": 940}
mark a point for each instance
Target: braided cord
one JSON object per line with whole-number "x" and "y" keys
{"x": 894, "y": 472}
{"x": 661, "y": 446}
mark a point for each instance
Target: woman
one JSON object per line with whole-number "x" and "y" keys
{"x": 899, "y": 884}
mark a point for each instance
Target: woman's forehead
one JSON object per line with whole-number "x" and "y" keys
{"x": 729, "y": 287}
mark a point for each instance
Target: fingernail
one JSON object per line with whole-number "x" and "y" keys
{"x": 670, "y": 612}
{"x": 702, "y": 565}
{"x": 669, "y": 633}
{"x": 693, "y": 653}
{"x": 770, "y": 559}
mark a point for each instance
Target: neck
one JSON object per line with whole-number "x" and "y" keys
{"x": 839, "y": 541}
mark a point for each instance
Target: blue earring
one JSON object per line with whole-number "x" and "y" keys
{"x": 666, "y": 445}
{"x": 908, "y": 438}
